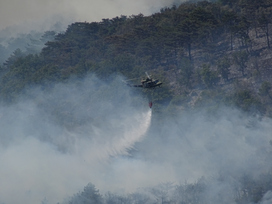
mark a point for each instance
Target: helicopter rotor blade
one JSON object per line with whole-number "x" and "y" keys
{"x": 147, "y": 75}
{"x": 131, "y": 79}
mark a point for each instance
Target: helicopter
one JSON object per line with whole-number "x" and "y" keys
{"x": 147, "y": 83}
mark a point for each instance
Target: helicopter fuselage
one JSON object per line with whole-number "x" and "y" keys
{"x": 151, "y": 84}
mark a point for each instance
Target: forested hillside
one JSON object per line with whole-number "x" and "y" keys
{"x": 205, "y": 53}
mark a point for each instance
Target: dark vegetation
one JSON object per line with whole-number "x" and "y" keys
{"x": 201, "y": 46}
{"x": 221, "y": 47}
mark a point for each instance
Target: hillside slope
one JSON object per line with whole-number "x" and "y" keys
{"x": 205, "y": 53}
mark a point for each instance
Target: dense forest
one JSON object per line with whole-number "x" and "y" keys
{"x": 207, "y": 54}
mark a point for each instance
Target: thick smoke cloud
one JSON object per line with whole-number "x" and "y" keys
{"x": 196, "y": 144}
{"x": 55, "y": 141}
{"x": 267, "y": 198}
{"x": 32, "y": 13}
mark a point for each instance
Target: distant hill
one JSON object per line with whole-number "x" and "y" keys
{"x": 206, "y": 54}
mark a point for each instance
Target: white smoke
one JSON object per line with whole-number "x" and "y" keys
{"x": 39, "y": 14}
{"x": 198, "y": 144}
{"x": 267, "y": 199}
{"x": 55, "y": 142}
{"x": 43, "y": 159}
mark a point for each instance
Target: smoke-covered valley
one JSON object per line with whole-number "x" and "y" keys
{"x": 56, "y": 141}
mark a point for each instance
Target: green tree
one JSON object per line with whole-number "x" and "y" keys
{"x": 242, "y": 31}
{"x": 223, "y": 66}
{"x": 245, "y": 100}
{"x": 188, "y": 31}
{"x": 186, "y": 71}
{"x": 124, "y": 63}
{"x": 265, "y": 88}
{"x": 263, "y": 23}
{"x": 229, "y": 20}
{"x": 90, "y": 195}
{"x": 15, "y": 56}
{"x": 208, "y": 76}
{"x": 240, "y": 58}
